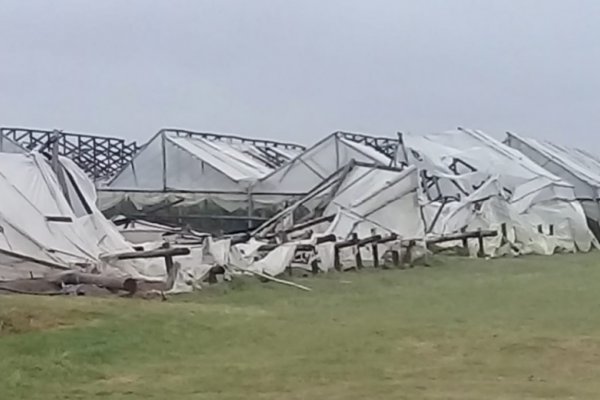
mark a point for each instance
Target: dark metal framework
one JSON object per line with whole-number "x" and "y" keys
{"x": 99, "y": 156}
{"x": 267, "y": 150}
{"x": 430, "y": 182}
{"x": 456, "y": 165}
{"x": 271, "y": 153}
{"x": 234, "y": 139}
{"x": 384, "y": 145}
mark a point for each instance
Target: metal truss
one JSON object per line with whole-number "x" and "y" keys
{"x": 99, "y": 156}
{"x": 267, "y": 150}
{"x": 384, "y": 145}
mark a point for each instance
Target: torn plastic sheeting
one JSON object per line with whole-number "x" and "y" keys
{"x": 276, "y": 261}
{"x": 571, "y": 165}
{"x": 347, "y": 257}
{"x": 193, "y": 269}
{"x": 218, "y": 250}
{"x": 250, "y": 248}
{"x": 326, "y": 256}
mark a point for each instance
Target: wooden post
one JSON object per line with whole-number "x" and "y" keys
{"x": 336, "y": 259}
{"x": 314, "y": 267}
{"x": 481, "y": 252}
{"x": 357, "y": 256}
{"x": 358, "y": 259}
{"x": 170, "y": 266}
{"x": 464, "y": 240}
{"x": 407, "y": 259}
{"x": 375, "y": 250}
{"x": 395, "y": 258}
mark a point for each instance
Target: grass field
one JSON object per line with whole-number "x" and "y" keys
{"x": 525, "y": 328}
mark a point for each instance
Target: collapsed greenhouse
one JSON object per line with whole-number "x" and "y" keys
{"x": 189, "y": 207}
{"x": 472, "y": 181}
{"x": 227, "y": 183}
{"x": 49, "y": 220}
{"x": 575, "y": 166}
{"x": 197, "y": 178}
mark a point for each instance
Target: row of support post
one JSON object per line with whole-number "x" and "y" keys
{"x": 397, "y": 259}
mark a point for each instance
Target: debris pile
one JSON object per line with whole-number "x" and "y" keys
{"x": 193, "y": 209}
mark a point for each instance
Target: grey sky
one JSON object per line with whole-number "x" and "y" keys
{"x": 297, "y": 70}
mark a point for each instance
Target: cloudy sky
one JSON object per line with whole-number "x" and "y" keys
{"x": 297, "y": 70}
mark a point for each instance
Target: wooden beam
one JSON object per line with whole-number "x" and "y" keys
{"x": 168, "y": 252}
{"x": 113, "y": 283}
{"x": 463, "y": 236}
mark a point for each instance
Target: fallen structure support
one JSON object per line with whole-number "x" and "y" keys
{"x": 464, "y": 236}
{"x": 81, "y": 148}
{"x": 376, "y": 239}
{"x": 111, "y": 283}
{"x": 162, "y": 252}
{"x": 303, "y": 225}
{"x": 167, "y": 252}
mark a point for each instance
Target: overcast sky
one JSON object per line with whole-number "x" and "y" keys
{"x": 297, "y": 70}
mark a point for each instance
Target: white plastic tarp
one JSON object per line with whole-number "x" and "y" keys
{"x": 317, "y": 164}
{"x": 364, "y": 199}
{"x": 374, "y": 199}
{"x": 9, "y": 146}
{"x": 489, "y": 184}
{"x": 194, "y": 168}
{"x": 575, "y": 167}
{"x": 38, "y": 221}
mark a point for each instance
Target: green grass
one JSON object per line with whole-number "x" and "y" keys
{"x": 525, "y": 328}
